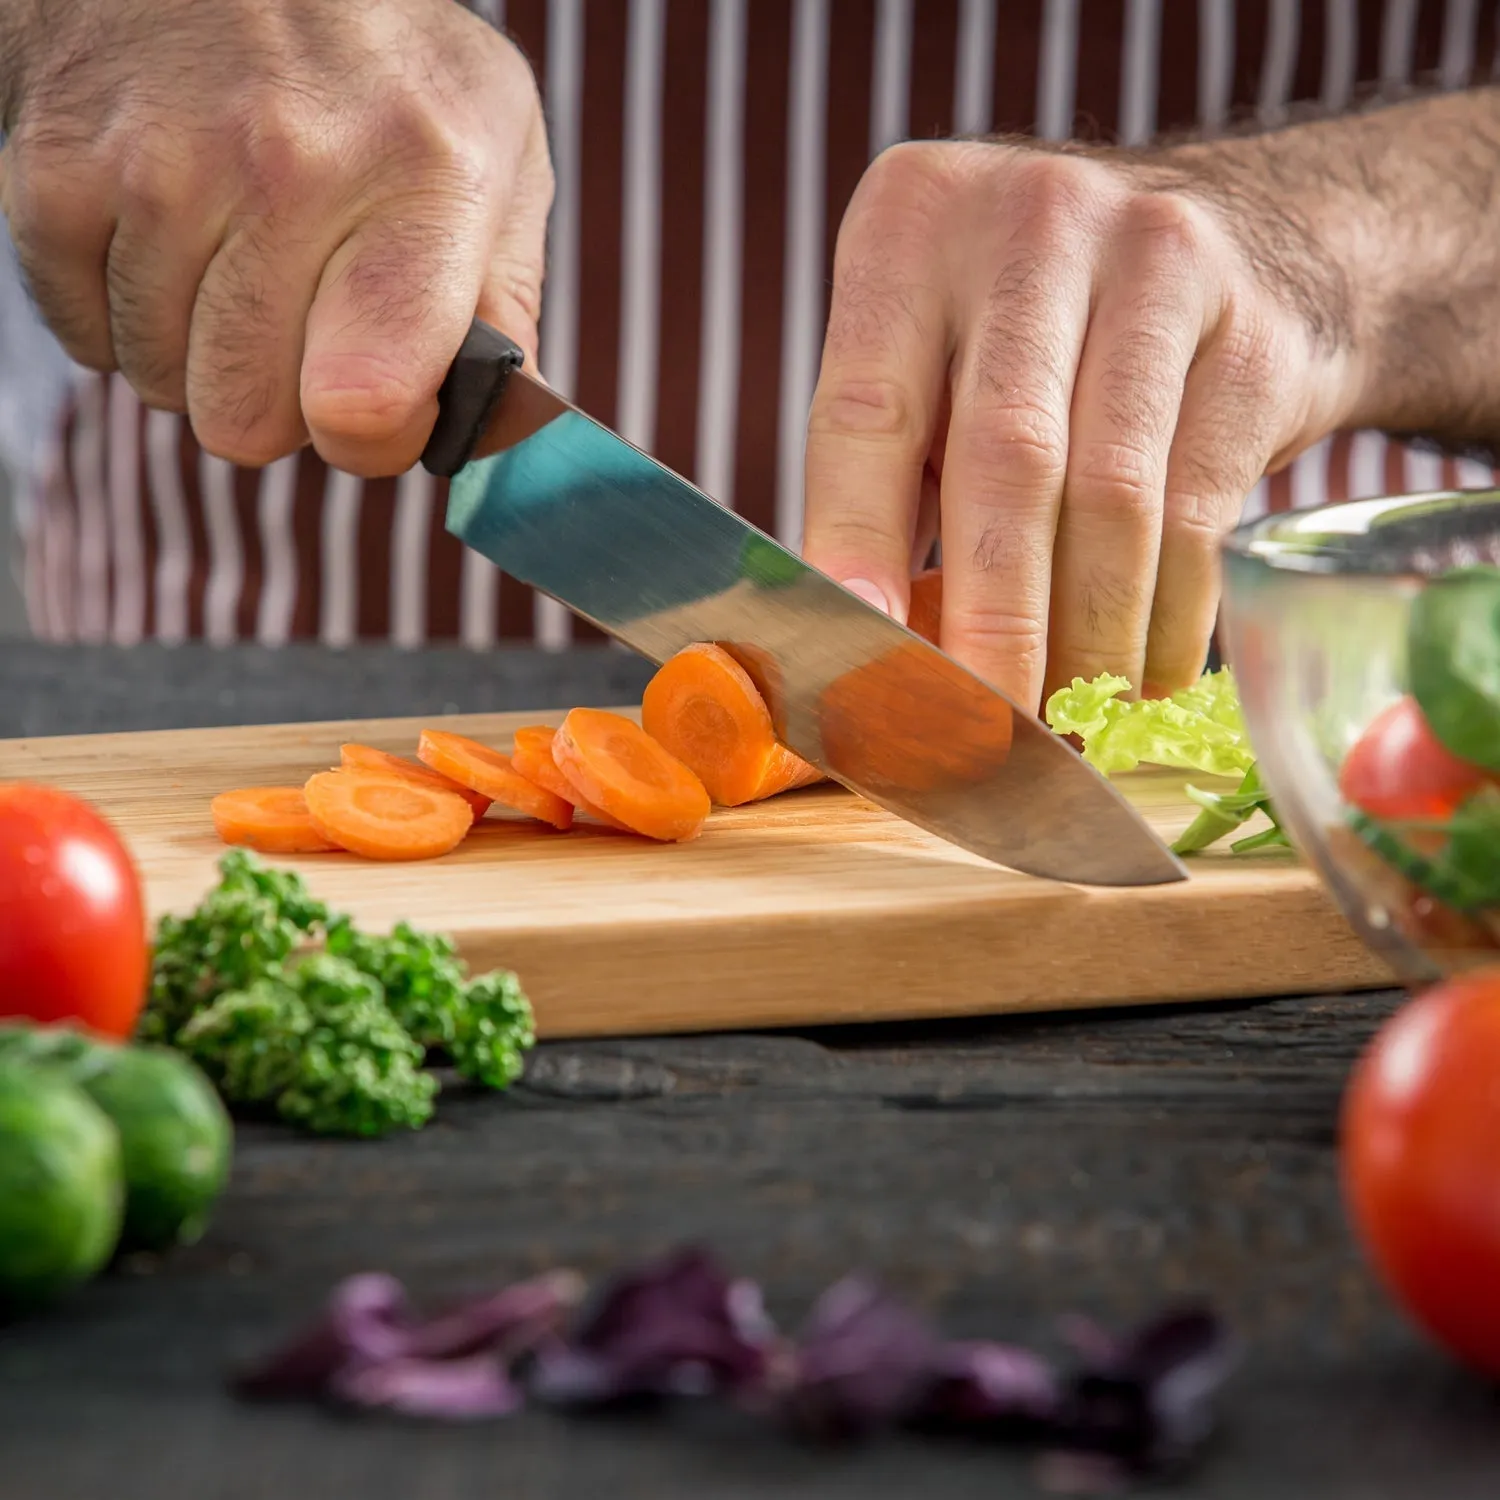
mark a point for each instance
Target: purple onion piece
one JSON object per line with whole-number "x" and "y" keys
{"x": 983, "y": 1384}
{"x": 677, "y": 1326}
{"x": 1149, "y": 1400}
{"x": 510, "y": 1322}
{"x": 450, "y": 1390}
{"x": 367, "y": 1320}
{"x": 863, "y": 1361}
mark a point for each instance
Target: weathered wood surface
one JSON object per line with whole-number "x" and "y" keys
{"x": 1001, "y": 1172}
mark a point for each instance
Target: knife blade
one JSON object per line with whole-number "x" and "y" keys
{"x": 562, "y": 503}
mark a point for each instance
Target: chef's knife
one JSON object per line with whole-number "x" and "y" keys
{"x": 564, "y": 504}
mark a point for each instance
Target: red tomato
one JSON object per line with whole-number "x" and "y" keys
{"x": 1400, "y": 769}
{"x": 73, "y": 942}
{"x": 1421, "y": 1161}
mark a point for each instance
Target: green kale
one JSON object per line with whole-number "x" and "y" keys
{"x": 420, "y": 972}
{"x": 496, "y": 1028}
{"x": 335, "y": 1042}
{"x": 319, "y": 1045}
{"x": 244, "y": 929}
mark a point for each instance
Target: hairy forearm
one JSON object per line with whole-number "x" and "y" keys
{"x": 1403, "y": 204}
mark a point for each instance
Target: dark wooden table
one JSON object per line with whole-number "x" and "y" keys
{"x": 1001, "y": 1174}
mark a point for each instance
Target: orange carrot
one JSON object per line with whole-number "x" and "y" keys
{"x": 925, "y": 616}
{"x": 951, "y": 730}
{"x": 621, "y": 769}
{"x": 786, "y": 771}
{"x": 703, "y": 707}
{"x": 367, "y": 758}
{"x": 386, "y": 817}
{"x": 491, "y": 773}
{"x": 272, "y": 819}
{"x": 532, "y": 757}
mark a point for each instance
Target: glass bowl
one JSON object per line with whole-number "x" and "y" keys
{"x": 1357, "y": 632}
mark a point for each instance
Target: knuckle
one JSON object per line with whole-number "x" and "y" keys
{"x": 1248, "y": 355}
{"x": 908, "y": 174}
{"x": 1019, "y": 637}
{"x": 1117, "y": 477}
{"x": 1172, "y": 227}
{"x": 1050, "y": 198}
{"x": 1021, "y": 446}
{"x": 284, "y": 155}
{"x": 411, "y": 135}
{"x": 873, "y": 406}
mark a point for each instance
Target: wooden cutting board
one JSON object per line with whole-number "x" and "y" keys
{"x": 814, "y": 907}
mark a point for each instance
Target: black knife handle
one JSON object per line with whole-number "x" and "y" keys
{"x": 468, "y": 396}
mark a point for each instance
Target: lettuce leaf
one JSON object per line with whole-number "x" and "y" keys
{"x": 1199, "y": 728}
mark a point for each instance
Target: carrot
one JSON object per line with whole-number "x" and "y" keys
{"x": 272, "y": 819}
{"x": 703, "y": 707}
{"x": 386, "y": 817}
{"x": 532, "y": 757}
{"x": 932, "y": 732}
{"x": 786, "y": 771}
{"x": 620, "y": 768}
{"x": 488, "y": 771}
{"x": 925, "y": 616}
{"x": 367, "y": 758}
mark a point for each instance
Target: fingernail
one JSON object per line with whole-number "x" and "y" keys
{"x": 862, "y": 588}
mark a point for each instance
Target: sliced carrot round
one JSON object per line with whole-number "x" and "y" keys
{"x": 491, "y": 773}
{"x": 368, "y": 758}
{"x": 532, "y": 757}
{"x": 703, "y": 708}
{"x": 271, "y": 819}
{"x": 706, "y": 710}
{"x": 386, "y": 817}
{"x": 620, "y": 768}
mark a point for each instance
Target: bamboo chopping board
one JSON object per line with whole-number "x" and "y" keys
{"x": 814, "y": 907}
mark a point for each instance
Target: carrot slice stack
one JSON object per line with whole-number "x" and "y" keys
{"x": 618, "y": 767}
{"x": 705, "y": 709}
{"x": 489, "y": 772}
{"x": 272, "y": 819}
{"x": 367, "y": 758}
{"x": 925, "y": 616}
{"x": 386, "y": 817}
{"x": 532, "y": 757}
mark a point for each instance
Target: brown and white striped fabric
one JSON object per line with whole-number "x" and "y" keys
{"x": 705, "y": 151}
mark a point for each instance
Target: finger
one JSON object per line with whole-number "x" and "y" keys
{"x": 1227, "y": 431}
{"x": 245, "y": 338}
{"x": 172, "y": 219}
{"x": 875, "y": 407}
{"x": 1007, "y": 452}
{"x": 511, "y": 299}
{"x": 51, "y": 202}
{"x": 391, "y": 309}
{"x": 1145, "y": 332}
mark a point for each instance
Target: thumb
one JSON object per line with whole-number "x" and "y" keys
{"x": 392, "y": 307}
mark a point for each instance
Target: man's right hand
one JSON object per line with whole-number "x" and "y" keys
{"x": 277, "y": 216}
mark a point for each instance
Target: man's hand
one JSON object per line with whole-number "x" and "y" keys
{"x": 1077, "y": 364}
{"x": 278, "y": 216}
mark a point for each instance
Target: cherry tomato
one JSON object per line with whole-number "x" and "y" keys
{"x": 73, "y": 941}
{"x": 1421, "y": 1161}
{"x": 1400, "y": 769}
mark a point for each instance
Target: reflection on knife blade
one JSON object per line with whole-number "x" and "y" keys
{"x": 574, "y": 510}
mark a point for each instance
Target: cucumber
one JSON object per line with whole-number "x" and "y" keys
{"x": 176, "y": 1139}
{"x": 175, "y": 1134}
{"x": 62, "y": 1186}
